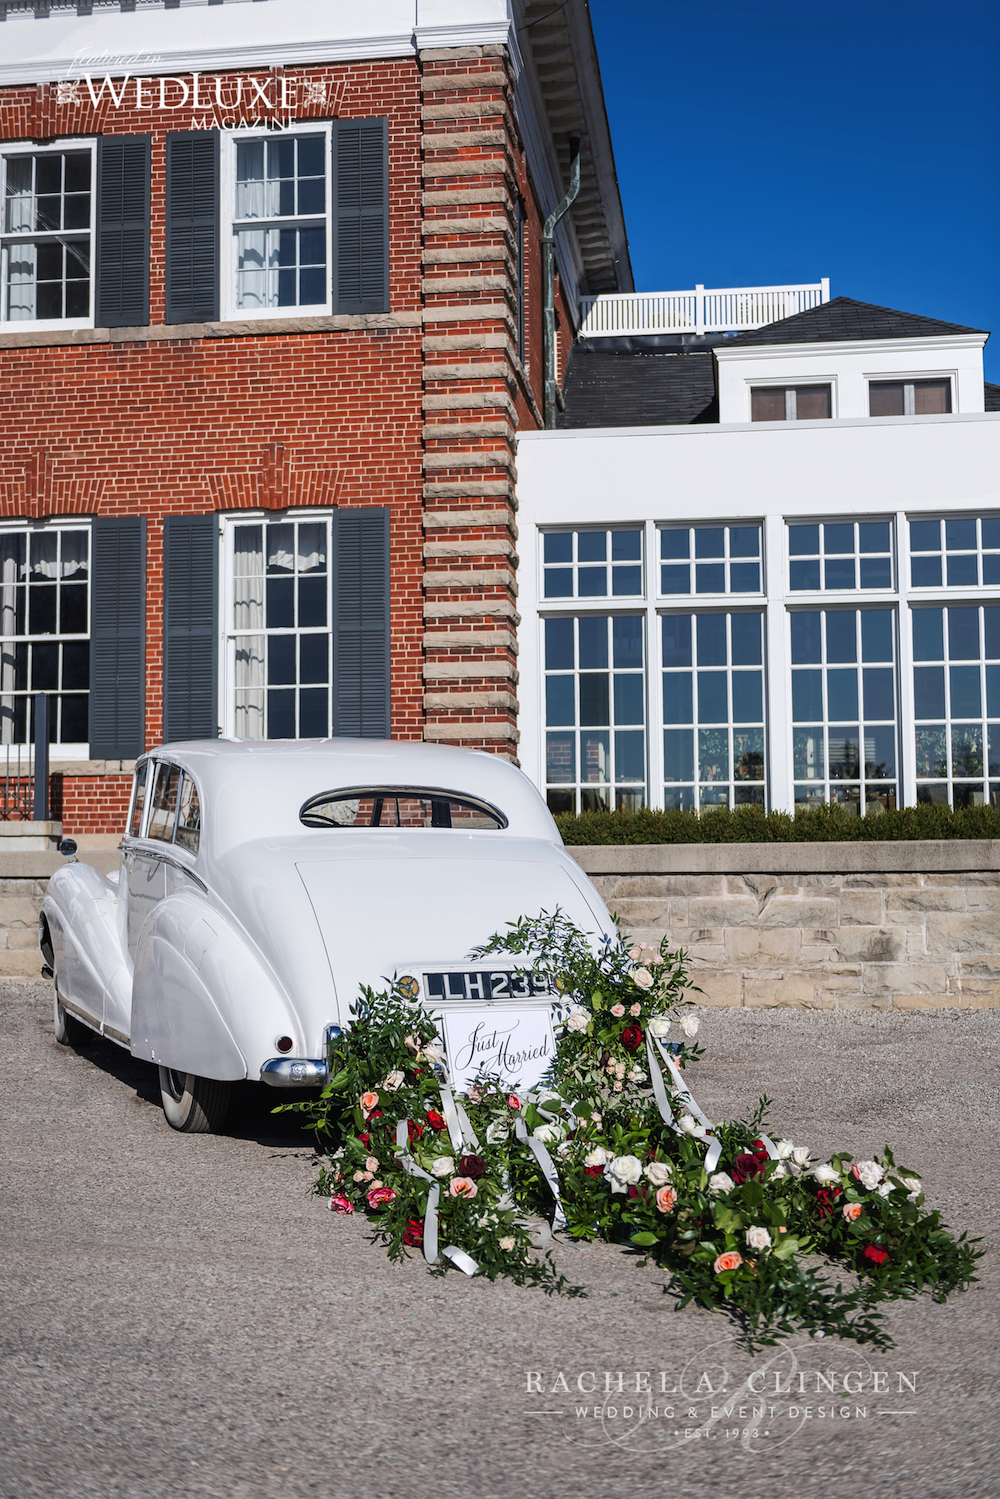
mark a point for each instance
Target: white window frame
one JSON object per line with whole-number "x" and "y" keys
{"x": 60, "y": 148}
{"x": 665, "y": 601}
{"x": 229, "y": 310}
{"x": 789, "y": 386}
{"x": 842, "y": 595}
{"x": 591, "y": 600}
{"x": 227, "y": 599}
{"x": 907, "y": 379}
{"x": 72, "y": 749}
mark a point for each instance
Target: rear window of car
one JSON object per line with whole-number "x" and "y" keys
{"x": 400, "y": 807}
{"x": 174, "y": 810}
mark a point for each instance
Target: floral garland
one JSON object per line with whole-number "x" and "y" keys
{"x": 615, "y": 1146}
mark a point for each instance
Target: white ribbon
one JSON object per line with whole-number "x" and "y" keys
{"x": 547, "y": 1168}
{"x": 457, "y": 1256}
{"x": 679, "y": 1090}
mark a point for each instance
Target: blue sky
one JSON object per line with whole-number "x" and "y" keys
{"x": 765, "y": 144}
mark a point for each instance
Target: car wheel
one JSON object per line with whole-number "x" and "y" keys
{"x": 194, "y": 1105}
{"x": 68, "y": 1030}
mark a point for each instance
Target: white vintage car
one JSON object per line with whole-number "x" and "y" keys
{"x": 263, "y": 883}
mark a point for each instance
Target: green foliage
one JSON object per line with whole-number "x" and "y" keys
{"x": 826, "y": 824}
{"x": 742, "y": 1237}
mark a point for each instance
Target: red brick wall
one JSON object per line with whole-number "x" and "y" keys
{"x": 95, "y": 804}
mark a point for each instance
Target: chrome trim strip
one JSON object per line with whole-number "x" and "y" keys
{"x": 118, "y": 1036}
{"x": 295, "y": 1072}
{"x": 142, "y": 846}
{"x": 88, "y": 1020}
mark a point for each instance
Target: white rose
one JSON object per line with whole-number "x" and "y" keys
{"x": 658, "y": 1172}
{"x": 433, "y": 1053}
{"x": 577, "y": 1020}
{"x": 720, "y": 1182}
{"x": 915, "y": 1186}
{"x": 625, "y": 1169}
{"x": 659, "y": 1026}
{"x": 598, "y": 1156}
{"x": 548, "y": 1133}
{"x": 443, "y": 1166}
{"x": 884, "y": 1189}
{"x": 784, "y": 1149}
{"x": 869, "y": 1173}
{"x": 637, "y": 1075}
{"x": 800, "y": 1155}
{"x": 690, "y": 1025}
{"x": 779, "y": 1171}
{"x": 507, "y": 1244}
{"x": 497, "y": 1131}
{"x": 688, "y": 1124}
{"x": 393, "y": 1081}
{"x": 643, "y": 978}
{"x": 825, "y": 1175}
{"x": 758, "y": 1238}
{"x": 545, "y": 1096}
{"x": 565, "y": 1150}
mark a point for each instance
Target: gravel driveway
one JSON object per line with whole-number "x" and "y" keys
{"x": 180, "y": 1317}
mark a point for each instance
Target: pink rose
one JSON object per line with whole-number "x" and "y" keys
{"x": 666, "y": 1200}
{"x": 635, "y": 1009}
{"x": 635, "y": 953}
{"x": 359, "y": 1176}
{"x": 368, "y": 1102}
{"x": 513, "y": 1100}
{"x": 851, "y": 1210}
{"x": 728, "y": 1261}
{"x": 371, "y": 1164}
{"x": 462, "y": 1186}
{"x": 379, "y": 1196}
{"x": 618, "y": 1011}
{"x": 340, "y": 1204}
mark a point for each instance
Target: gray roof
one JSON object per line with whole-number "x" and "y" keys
{"x": 992, "y": 393}
{"x": 625, "y": 388}
{"x": 843, "y": 318}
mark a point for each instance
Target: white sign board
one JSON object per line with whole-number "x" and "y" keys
{"x": 517, "y": 1045}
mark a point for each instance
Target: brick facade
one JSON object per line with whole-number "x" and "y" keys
{"x": 416, "y": 409}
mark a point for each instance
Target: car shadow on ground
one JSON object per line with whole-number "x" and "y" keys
{"x": 250, "y": 1116}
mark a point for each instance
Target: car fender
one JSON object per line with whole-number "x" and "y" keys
{"x": 80, "y": 913}
{"x": 202, "y": 1001}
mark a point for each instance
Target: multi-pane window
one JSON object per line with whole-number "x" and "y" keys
{"x": 790, "y": 403}
{"x": 281, "y": 629}
{"x": 280, "y": 222}
{"x": 956, "y": 692}
{"x": 44, "y": 632}
{"x": 844, "y": 707}
{"x": 595, "y": 738}
{"x": 710, "y": 559}
{"x": 592, "y": 564}
{"x": 713, "y": 710}
{"x": 46, "y": 236}
{"x": 909, "y": 397}
{"x": 958, "y": 553}
{"x": 840, "y": 555}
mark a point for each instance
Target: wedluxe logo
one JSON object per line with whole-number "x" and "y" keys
{"x": 720, "y": 1394}
{"x": 217, "y": 102}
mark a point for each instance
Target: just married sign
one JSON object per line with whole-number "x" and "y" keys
{"x": 516, "y": 1045}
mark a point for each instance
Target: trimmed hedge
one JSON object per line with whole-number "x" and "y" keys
{"x": 829, "y": 824}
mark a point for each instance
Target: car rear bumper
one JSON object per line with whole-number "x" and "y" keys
{"x": 301, "y": 1072}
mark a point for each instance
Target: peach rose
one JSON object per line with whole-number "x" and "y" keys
{"x": 666, "y": 1199}
{"x": 371, "y": 1164}
{"x": 728, "y": 1261}
{"x": 368, "y": 1102}
{"x": 462, "y": 1186}
{"x": 852, "y": 1210}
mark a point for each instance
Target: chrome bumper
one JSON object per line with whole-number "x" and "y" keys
{"x": 301, "y": 1072}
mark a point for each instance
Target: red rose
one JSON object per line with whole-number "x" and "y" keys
{"x": 874, "y": 1255}
{"x": 414, "y": 1130}
{"x": 379, "y": 1196}
{"x": 435, "y": 1120}
{"x": 364, "y": 1139}
{"x": 759, "y": 1149}
{"x": 413, "y": 1233}
{"x": 471, "y": 1165}
{"x": 594, "y": 1170}
{"x": 375, "y": 1114}
{"x": 633, "y": 1191}
{"x": 746, "y": 1167}
{"x": 632, "y": 1038}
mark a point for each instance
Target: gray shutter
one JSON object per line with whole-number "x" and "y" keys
{"x": 361, "y": 624}
{"x": 190, "y": 602}
{"x": 361, "y": 237}
{"x": 193, "y": 226}
{"x": 122, "y": 272}
{"x": 118, "y": 639}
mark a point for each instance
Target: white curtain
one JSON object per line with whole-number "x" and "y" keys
{"x": 248, "y": 612}
{"x": 20, "y": 198}
{"x": 22, "y": 263}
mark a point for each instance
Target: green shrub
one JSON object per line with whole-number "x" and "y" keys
{"x": 829, "y": 824}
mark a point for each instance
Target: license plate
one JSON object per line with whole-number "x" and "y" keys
{"x": 464, "y": 986}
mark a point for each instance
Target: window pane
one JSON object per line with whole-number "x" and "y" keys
{"x": 560, "y": 705}
{"x": 960, "y": 535}
{"x": 925, "y": 572}
{"x": 747, "y": 639}
{"x": 963, "y": 571}
{"x": 805, "y": 626}
{"x": 767, "y": 404}
{"x": 626, "y": 637}
{"x": 744, "y": 541}
{"x": 592, "y": 582}
{"x": 931, "y": 397}
{"x": 592, "y": 546}
{"x": 812, "y": 402}
{"x": 675, "y": 579}
{"x": 966, "y": 700}
{"x": 744, "y": 577}
{"x": 885, "y": 398}
{"x": 876, "y": 572}
{"x": 626, "y": 582}
{"x": 803, "y": 540}
{"x": 841, "y": 636}
{"x": 880, "y": 753}
{"x": 676, "y": 630}
{"x": 560, "y": 757}
{"x": 873, "y": 536}
{"x": 678, "y": 697}
{"x": 879, "y": 700}
{"x": 678, "y": 754}
{"x": 626, "y": 546}
{"x": 963, "y": 634}
{"x": 630, "y": 756}
{"x": 713, "y": 754}
{"x": 748, "y": 697}
{"x": 925, "y": 536}
{"x": 807, "y": 695}
{"x": 804, "y": 576}
{"x": 628, "y": 698}
{"x": 558, "y": 546}
{"x": 710, "y": 577}
{"x": 559, "y": 653}
{"x": 928, "y": 691}
{"x": 558, "y": 583}
{"x": 876, "y": 635}
{"x": 966, "y": 750}
{"x": 594, "y": 643}
{"x": 713, "y": 704}
{"x": 839, "y": 573}
{"x": 675, "y": 545}
{"x": 712, "y": 639}
{"x": 841, "y": 695}
{"x": 710, "y": 541}
{"x": 595, "y": 698}
{"x": 808, "y": 760}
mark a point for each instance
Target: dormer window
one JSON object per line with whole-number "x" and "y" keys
{"x": 790, "y": 403}
{"x": 909, "y": 397}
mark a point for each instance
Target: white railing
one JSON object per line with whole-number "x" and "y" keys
{"x": 715, "y": 310}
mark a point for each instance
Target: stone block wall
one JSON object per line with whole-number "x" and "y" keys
{"x": 818, "y": 926}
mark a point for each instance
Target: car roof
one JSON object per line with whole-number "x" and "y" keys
{"x": 253, "y": 788}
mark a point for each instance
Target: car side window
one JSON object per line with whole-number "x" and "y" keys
{"x": 163, "y": 808}
{"x": 189, "y": 817}
{"x": 138, "y": 797}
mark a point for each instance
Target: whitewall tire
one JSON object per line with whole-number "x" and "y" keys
{"x": 194, "y": 1105}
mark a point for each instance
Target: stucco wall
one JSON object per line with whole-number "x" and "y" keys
{"x": 817, "y": 926}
